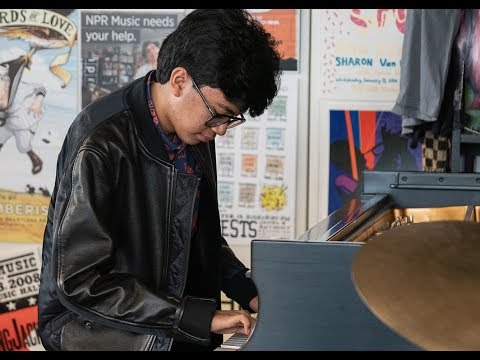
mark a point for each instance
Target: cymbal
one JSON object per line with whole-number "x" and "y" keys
{"x": 423, "y": 281}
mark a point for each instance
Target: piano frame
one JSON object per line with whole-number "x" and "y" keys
{"x": 307, "y": 300}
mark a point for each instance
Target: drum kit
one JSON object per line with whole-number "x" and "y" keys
{"x": 423, "y": 281}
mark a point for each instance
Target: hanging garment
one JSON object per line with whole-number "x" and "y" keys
{"x": 425, "y": 64}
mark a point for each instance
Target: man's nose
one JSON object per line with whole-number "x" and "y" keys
{"x": 220, "y": 129}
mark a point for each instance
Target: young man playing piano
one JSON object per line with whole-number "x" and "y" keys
{"x": 133, "y": 257}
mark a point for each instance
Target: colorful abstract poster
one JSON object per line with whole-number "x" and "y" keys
{"x": 19, "y": 282}
{"x": 360, "y": 53}
{"x": 283, "y": 24}
{"x": 256, "y": 165}
{"x": 469, "y": 36}
{"x": 365, "y": 140}
{"x": 119, "y": 46}
{"x": 38, "y": 101}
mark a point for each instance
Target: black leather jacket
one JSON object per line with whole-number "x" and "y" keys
{"x": 117, "y": 243}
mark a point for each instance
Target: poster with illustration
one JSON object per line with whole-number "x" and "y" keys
{"x": 256, "y": 165}
{"x": 360, "y": 53}
{"x": 365, "y": 140}
{"x": 467, "y": 41}
{"x": 284, "y": 26}
{"x": 119, "y": 46}
{"x": 38, "y": 101}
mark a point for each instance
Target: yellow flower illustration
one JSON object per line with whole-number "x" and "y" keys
{"x": 273, "y": 197}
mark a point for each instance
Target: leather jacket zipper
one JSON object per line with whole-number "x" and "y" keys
{"x": 166, "y": 253}
{"x": 189, "y": 235}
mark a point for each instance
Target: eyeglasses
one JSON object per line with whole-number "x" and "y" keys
{"x": 219, "y": 119}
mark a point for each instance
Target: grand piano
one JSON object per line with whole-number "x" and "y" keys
{"x": 307, "y": 298}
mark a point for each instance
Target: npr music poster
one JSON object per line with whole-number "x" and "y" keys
{"x": 38, "y": 102}
{"x": 256, "y": 164}
{"x": 120, "y": 46}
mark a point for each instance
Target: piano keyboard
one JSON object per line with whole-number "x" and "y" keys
{"x": 234, "y": 342}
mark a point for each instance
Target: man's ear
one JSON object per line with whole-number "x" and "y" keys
{"x": 178, "y": 80}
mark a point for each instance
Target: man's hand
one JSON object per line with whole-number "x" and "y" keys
{"x": 232, "y": 321}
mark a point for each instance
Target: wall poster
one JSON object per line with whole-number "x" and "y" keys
{"x": 365, "y": 140}
{"x": 256, "y": 171}
{"x": 361, "y": 51}
{"x": 19, "y": 283}
{"x": 120, "y": 46}
{"x": 38, "y": 101}
{"x": 284, "y": 25}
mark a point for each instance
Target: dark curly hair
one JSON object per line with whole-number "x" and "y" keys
{"x": 226, "y": 49}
